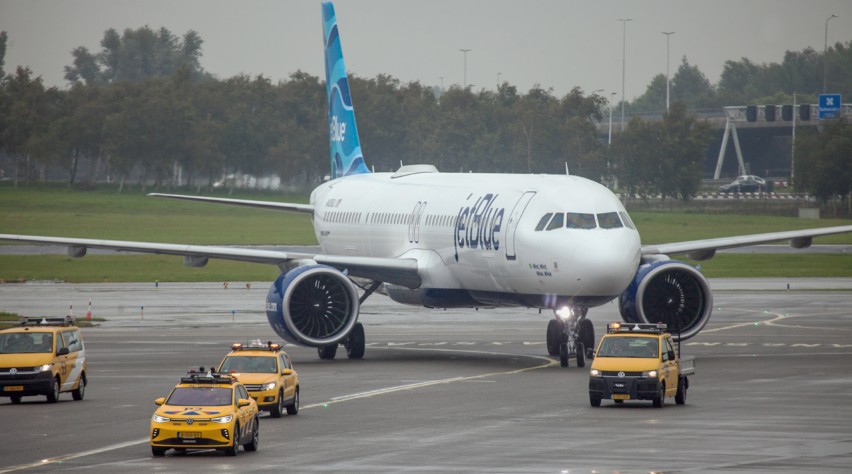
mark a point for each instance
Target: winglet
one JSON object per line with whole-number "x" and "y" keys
{"x": 346, "y": 157}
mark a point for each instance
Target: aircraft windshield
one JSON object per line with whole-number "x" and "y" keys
{"x": 626, "y": 346}
{"x": 200, "y": 396}
{"x": 28, "y": 343}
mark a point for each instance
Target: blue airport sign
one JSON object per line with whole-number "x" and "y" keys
{"x": 829, "y": 106}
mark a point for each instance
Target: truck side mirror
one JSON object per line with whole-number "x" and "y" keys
{"x": 671, "y": 355}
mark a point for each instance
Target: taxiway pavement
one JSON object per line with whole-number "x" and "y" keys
{"x": 451, "y": 391}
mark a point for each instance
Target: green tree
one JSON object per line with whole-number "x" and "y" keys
{"x": 823, "y": 160}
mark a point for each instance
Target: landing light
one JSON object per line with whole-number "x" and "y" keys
{"x": 565, "y": 313}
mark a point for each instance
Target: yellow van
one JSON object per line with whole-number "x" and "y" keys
{"x": 42, "y": 356}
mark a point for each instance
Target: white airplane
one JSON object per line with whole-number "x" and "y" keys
{"x": 452, "y": 240}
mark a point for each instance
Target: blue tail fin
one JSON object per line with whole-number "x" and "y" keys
{"x": 346, "y": 158}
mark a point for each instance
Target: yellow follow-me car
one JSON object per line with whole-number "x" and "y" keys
{"x": 205, "y": 410}
{"x": 268, "y": 374}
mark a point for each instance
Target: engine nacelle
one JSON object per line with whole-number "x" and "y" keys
{"x": 313, "y": 305}
{"x": 670, "y": 292}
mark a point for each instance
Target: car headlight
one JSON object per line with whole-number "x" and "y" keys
{"x": 595, "y": 373}
{"x": 651, "y": 374}
{"x": 45, "y": 368}
{"x": 268, "y": 386}
{"x": 160, "y": 419}
{"x": 222, "y": 419}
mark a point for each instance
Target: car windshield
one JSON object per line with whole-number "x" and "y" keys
{"x": 200, "y": 396}
{"x": 625, "y": 346}
{"x": 248, "y": 364}
{"x": 26, "y": 343}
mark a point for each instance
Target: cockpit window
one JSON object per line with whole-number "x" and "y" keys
{"x": 557, "y": 222}
{"x": 543, "y": 222}
{"x": 626, "y": 219}
{"x": 576, "y": 220}
{"x": 609, "y": 220}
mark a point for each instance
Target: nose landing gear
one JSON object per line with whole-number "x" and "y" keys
{"x": 571, "y": 335}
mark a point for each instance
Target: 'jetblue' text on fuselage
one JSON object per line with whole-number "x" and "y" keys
{"x": 478, "y": 225}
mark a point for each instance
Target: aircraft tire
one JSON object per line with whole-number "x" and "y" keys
{"x": 554, "y": 334}
{"x": 581, "y": 359}
{"x": 563, "y": 354}
{"x": 356, "y": 342}
{"x": 327, "y": 352}
{"x": 586, "y": 335}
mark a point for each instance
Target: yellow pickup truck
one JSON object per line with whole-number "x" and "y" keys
{"x": 638, "y": 362}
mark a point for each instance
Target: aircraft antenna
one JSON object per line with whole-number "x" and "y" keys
{"x": 566, "y": 169}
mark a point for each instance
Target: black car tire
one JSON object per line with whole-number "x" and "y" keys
{"x": 234, "y": 448}
{"x": 16, "y": 399}
{"x": 682, "y": 386}
{"x": 660, "y": 399}
{"x": 293, "y": 408}
{"x": 53, "y": 395}
{"x": 80, "y": 391}
{"x": 158, "y": 452}
{"x": 594, "y": 401}
{"x": 252, "y": 445}
{"x": 278, "y": 409}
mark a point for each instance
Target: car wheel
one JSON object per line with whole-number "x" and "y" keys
{"x": 16, "y": 399}
{"x": 234, "y": 448}
{"x": 293, "y": 408}
{"x": 594, "y": 401}
{"x": 278, "y": 409}
{"x": 255, "y": 434}
{"x": 158, "y": 452}
{"x": 682, "y": 386}
{"x": 618, "y": 402}
{"x": 563, "y": 354}
{"x": 554, "y": 334}
{"x": 660, "y": 399}
{"x": 80, "y": 391}
{"x": 53, "y": 396}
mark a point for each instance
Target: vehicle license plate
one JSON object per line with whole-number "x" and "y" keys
{"x": 189, "y": 435}
{"x": 14, "y": 388}
{"x": 621, "y": 396}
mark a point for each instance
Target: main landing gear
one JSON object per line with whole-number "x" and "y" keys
{"x": 571, "y": 335}
{"x": 356, "y": 343}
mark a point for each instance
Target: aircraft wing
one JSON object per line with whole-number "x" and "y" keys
{"x": 704, "y": 249}
{"x": 400, "y": 271}
{"x": 279, "y": 206}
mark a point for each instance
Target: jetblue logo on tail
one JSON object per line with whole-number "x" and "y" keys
{"x": 346, "y": 157}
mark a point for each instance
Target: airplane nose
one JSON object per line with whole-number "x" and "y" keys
{"x": 611, "y": 264}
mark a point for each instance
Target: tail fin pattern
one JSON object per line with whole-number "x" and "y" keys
{"x": 346, "y": 157}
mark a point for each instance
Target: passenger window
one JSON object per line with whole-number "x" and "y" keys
{"x": 609, "y": 220}
{"x": 543, "y": 222}
{"x": 72, "y": 338}
{"x": 576, "y": 220}
{"x": 60, "y": 342}
{"x": 558, "y": 221}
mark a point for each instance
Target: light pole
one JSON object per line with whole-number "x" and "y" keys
{"x": 465, "y": 51}
{"x": 609, "y": 138}
{"x": 498, "y": 80}
{"x": 668, "y": 36}
{"x": 825, "y": 52}
{"x": 623, "y": 64}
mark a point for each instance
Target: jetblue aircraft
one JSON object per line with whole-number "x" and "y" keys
{"x": 451, "y": 240}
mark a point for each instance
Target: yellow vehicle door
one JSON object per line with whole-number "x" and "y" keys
{"x": 74, "y": 360}
{"x": 670, "y": 367}
{"x": 288, "y": 381}
{"x": 61, "y": 360}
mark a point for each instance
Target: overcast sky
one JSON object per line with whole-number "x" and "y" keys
{"x": 557, "y": 44}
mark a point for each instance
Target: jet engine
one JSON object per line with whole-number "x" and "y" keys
{"x": 670, "y": 292}
{"x": 312, "y": 305}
